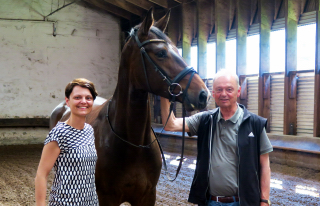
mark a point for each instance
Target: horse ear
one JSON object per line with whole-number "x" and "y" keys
{"x": 147, "y": 23}
{"x": 163, "y": 22}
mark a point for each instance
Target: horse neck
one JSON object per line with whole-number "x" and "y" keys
{"x": 129, "y": 109}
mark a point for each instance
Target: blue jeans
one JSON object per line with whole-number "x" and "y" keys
{"x": 214, "y": 203}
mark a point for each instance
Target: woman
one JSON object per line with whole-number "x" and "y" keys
{"x": 69, "y": 148}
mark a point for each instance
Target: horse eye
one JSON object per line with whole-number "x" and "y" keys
{"x": 162, "y": 54}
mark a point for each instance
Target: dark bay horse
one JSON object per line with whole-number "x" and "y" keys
{"x": 126, "y": 171}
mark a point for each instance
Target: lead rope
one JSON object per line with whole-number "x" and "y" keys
{"x": 183, "y": 134}
{"x": 134, "y": 145}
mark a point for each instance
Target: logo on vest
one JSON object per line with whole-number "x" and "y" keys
{"x": 251, "y": 135}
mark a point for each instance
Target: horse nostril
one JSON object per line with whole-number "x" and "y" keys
{"x": 203, "y": 99}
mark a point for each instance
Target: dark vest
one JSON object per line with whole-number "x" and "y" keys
{"x": 249, "y": 158}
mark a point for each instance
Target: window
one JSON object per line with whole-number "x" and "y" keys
{"x": 277, "y": 51}
{"x": 306, "y": 49}
{"x": 231, "y": 51}
{"x": 253, "y": 50}
{"x": 194, "y": 57}
{"x": 211, "y": 59}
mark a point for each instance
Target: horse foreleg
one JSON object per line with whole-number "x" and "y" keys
{"x": 147, "y": 200}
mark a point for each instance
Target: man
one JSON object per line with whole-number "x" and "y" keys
{"x": 233, "y": 162}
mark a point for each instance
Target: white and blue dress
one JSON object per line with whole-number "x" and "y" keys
{"x": 74, "y": 181}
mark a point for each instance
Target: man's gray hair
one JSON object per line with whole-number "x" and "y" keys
{"x": 224, "y": 73}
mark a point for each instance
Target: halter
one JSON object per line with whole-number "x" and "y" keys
{"x": 172, "y": 84}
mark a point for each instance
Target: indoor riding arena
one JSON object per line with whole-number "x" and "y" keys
{"x": 272, "y": 45}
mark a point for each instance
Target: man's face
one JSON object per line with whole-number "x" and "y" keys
{"x": 226, "y": 92}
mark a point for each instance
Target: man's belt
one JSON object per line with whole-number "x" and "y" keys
{"x": 225, "y": 199}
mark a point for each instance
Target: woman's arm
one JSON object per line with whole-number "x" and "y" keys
{"x": 49, "y": 156}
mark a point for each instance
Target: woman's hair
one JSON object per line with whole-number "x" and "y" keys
{"x": 82, "y": 82}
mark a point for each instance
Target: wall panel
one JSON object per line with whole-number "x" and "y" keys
{"x": 211, "y": 104}
{"x": 277, "y": 104}
{"x": 36, "y": 66}
{"x": 252, "y": 94}
{"x": 305, "y": 104}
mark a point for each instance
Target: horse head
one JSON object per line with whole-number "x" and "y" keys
{"x": 160, "y": 69}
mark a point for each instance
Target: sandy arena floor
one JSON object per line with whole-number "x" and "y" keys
{"x": 18, "y": 165}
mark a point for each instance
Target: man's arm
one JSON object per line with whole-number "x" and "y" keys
{"x": 174, "y": 124}
{"x": 265, "y": 177}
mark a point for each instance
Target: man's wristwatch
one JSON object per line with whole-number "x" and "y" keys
{"x": 266, "y": 201}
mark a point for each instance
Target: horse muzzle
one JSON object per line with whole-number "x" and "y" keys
{"x": 198, "y": 101}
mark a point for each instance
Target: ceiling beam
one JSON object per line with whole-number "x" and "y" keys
{"x": 173, "y": 3}
{"x": 127, "y": 6}
{"x": 111, "y": 9}
{"x": 303, "y": 5}
{"x": 144, "y": 4}
{"x": 232, "y": 13}
{"x": 278, "y": 4}
{"x": 254, "y": 12}
{"x": 212, "y": 17}
{"x": 175, "y": 25}
{"x": 162, "y": 3}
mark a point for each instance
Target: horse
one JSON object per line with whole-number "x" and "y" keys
{"x": 129, "y": 160}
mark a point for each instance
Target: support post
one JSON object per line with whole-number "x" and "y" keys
{"x": 204, "y": 27}
{"x": 243, "y": 20}
{"x": 316, "y": 120}
{"x": 221, "y": 31}
{"x": 292, "y": 13}
{"x": 266, "y": 14}
{"x": 188, "y": 20}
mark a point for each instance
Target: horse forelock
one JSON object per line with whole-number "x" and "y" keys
{"x": 153, "y": 29}
{"x": 159, "y": 33}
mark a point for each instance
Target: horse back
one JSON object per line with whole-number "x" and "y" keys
{"x": 98, "y": 105}
{"x": 62, "y": 112}
{"x": 57, "y": 114}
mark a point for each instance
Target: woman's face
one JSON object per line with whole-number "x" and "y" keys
{"x": 80, "y": 101}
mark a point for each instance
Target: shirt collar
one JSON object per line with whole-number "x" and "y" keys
{"x": 235, "y": 116}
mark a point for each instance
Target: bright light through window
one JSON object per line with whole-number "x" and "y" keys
{"x": 306, "y": 43}
{"x": 180, "y": 51}
{"x": 167, "y": 156}
{"x": 192, "y": 166}
{"x": 253, "y": 54}
{"x": 211, "y": 59}
{"x": 277, "y": 51}
{"x": 194, "y": 57}
{"x": 305, "y": 190}
{"x": 231, "y": 51}
{"x": 276, "y": 184}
